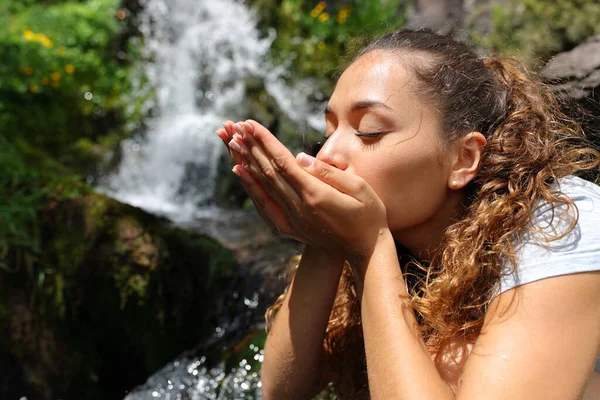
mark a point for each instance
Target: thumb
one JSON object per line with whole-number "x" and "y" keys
{"x": 343, "y": 181}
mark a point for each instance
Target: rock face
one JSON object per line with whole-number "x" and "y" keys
{"x": 113, "y": 295}
{"x": 575, "y": 74}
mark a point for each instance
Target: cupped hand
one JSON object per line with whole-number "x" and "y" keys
{"x": 304, "y": 198}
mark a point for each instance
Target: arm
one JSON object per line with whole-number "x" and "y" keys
{"x": 398, "y": 363}
{"x": 550, "y": 333}
{"x": 294, "y": 364}
{"x": 538, "y": 341}
{"x": 293, "y": 367}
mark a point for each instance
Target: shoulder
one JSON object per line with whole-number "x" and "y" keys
{"x": 578, "y": 251}
{"x": 542, "y": 340}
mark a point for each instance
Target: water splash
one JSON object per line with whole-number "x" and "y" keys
{"x": 196, "y": 378}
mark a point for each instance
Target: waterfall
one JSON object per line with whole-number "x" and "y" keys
{"x": 200, "y": 57}
{"x": 203, "y": 54}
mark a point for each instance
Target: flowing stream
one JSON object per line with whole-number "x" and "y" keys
{"x": 202, "y": 54}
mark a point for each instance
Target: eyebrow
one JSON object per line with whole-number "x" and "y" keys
{"x": 362, "y": 105}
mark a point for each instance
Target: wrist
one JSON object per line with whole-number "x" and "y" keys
{"x": 320, "y": 257}
{"x": 360, "y": 260}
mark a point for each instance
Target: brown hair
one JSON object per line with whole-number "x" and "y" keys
{"x": 531, "y": 144}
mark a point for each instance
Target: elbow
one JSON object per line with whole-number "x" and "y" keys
{"x": 274, "y": 388}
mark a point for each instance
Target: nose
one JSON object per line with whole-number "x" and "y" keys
{"x": 335, "y": 151}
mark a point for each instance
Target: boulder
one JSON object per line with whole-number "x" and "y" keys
{"x": 113, "y": 295}
{"x": 575, "y": 76}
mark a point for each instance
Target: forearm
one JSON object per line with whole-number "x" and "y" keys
{"x": 398, "y": 363}
{"x": 293, "y": 363}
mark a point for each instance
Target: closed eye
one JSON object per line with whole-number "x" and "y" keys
{"x": 367, "y": 143}
{"x": 368, "y": 134}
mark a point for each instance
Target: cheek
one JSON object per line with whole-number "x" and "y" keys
{"x": 412, "y": 191}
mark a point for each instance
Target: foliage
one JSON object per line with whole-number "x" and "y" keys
{"x": 313, "y": 39}
{"x": 26, "y": 186}
{"x": 540, "y": 28}
{"x": 62, "y": 74}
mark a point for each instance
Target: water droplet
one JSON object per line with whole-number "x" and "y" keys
{"x": 155, "y": 394}
{"x": 135, "y": 147}
{"x": 88, "y": 96}
{"x": 504, "y": 357}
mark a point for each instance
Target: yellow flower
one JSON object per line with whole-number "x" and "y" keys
{"x": 343, "y": 15}
{"x": 318, "y": 9}
{"x": 47, "y": 43}
{"x": 320, "y": 45}
{"x": 69, "y": 69}
{"x": 27, "y": 71}
{"x": 55, "y": 76}
{"x": 44, "y": 81}
{"x": 28, "y": 35}
{"x": 33, "y": 88}
{"x": 324, "y": 17}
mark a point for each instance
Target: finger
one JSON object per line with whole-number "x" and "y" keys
{"x": 238, "y": 150}
{"x": 273, "y": 154}
{"x": 228, "y": 126}
{"x": 346, "y": 182}
{"x": 265, "y": 206}
{"x": 270, "y": 177}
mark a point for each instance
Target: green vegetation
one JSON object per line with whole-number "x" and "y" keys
{"x": 314, "y": 38}
{"x": 63, "y": 75}
{"x": 538, "y": 29}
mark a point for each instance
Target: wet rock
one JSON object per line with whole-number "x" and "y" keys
{"x": 113, "y": 294}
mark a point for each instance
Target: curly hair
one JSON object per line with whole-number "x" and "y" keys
{"x": 531, "y": 144}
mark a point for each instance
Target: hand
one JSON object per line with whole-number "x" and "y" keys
{"x": 315, "y": 203}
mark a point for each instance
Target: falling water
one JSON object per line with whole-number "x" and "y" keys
{"x": 204, "y": 52}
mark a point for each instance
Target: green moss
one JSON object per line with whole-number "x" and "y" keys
{"x": 110, "y": 283}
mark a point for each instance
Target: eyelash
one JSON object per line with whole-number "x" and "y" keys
{"x": 368, "y": 134}
{"x": 324, "y": 138}
{"x": 369, "y": 146}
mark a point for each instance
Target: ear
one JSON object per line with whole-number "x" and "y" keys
{"x": 465, "y": 164}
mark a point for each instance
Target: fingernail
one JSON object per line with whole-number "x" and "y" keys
{"x": 248, "y": 127}
{"x": 234, "y": 170}
{"x": 305, "y": 160}
{"x": 234, "y": 146}
{"x": 239, "y": 130}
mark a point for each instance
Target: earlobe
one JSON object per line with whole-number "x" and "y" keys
{"x": 467, "y": 161}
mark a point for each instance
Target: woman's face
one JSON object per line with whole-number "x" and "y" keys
{"x": 378, "y": 129}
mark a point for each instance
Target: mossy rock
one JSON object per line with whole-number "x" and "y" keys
{"x": 114, "y": 295}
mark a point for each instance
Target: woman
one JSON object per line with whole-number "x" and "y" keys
{"x": 449, "y": 251}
